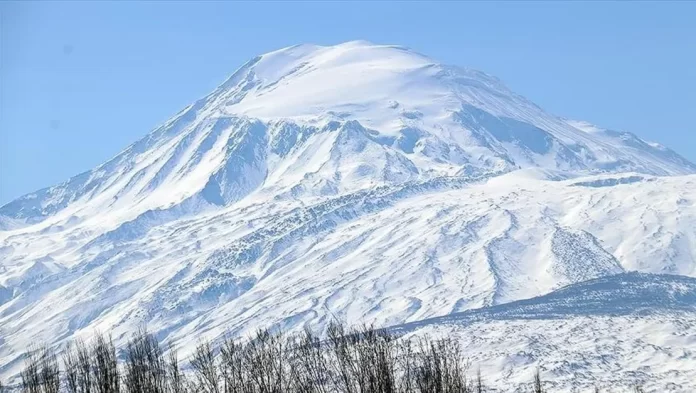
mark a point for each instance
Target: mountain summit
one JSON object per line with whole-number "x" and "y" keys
{"x": 314, "y": 120}
{"x": 365, "y": 182}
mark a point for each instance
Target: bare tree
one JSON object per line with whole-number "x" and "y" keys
{"x": 105, "y": 365}
{"x": 537, "y": 382}
{"x": 440, "y": 367}
{"x": 145, "y": 369}
{"x": 205, "y": 368}
{"x": 233, "y": 367}
{"x": 377, "y": 353}
{"x": 49, "y": 372}
{"x": 309, "y": 369}
{"x": 176, "y": 379}
{"x": 30, "y": 374}
{"x": 479, "y": 382}
{"x": 344, "y": 370}
{"x": 84, "y": 367}
{"x": 71, "y": 368}
{"x": 265, "y": 359}
{"x": 371, "y": 360}
{"x": 407, "y": 364}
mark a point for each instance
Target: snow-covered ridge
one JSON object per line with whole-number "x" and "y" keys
{"x": 612, "y": 332}
{"x": 621, "y": 294}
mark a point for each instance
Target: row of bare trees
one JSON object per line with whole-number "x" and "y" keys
{"x": 362, "y": 360}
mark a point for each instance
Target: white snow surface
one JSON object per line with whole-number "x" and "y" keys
{"x": 358, "y": 181}
{"x": 614, "y": 333}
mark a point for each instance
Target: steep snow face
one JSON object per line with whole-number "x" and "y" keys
{"x": 359, "y": 180}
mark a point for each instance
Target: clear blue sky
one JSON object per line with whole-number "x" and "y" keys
{"x": 80, "y": 81}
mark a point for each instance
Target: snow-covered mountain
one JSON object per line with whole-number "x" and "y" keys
{"x": 320, "y": 121}
{"x": 360, "y": 181}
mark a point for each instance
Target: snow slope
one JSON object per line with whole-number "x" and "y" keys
{"x": 362, "y": 181}
{"x": 613, "y": 332}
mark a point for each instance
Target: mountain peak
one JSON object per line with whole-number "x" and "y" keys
{"x": 372, "y": 83}
{"x": 313, "y": 80}
{"x": 312, "y": 47}
{"x": 399, "y": 116}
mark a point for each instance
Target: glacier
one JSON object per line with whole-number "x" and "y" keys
{"x": 362, "y": 182}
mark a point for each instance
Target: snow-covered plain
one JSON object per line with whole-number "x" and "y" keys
{"x": 359, "y": 181}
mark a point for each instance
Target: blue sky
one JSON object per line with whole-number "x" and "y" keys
{"x": 80, "y": 81}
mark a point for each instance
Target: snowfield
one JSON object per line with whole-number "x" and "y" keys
{"x": 614, "y": 333}
{"x": 371, "y": 184}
